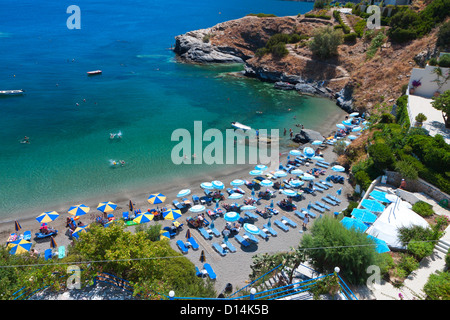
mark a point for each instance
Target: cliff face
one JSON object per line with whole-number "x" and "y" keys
{"x": 354, "y": 81}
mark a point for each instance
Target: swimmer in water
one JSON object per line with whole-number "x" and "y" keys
{"x": 122, "y": 163}
{"x": 112, "y": 135}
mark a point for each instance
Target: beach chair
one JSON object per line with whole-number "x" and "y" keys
{"x": 271, "y": 230}
{"x": 281, "y": 225}
{"x": 317, "y": 188}
{"x": 61, "y": 252}
{"x": 210, "y": 271}
{"x": 288, "y": 221}
{"x": 333, "y": 198}
{"x": 186, "y": 202}
{"x": 299, "y": 214}
{"x": 177, "y": 204}
{"x": 329, "y": 201}
{"x": 309, "y": 212}
{"x": 322, "y": 186}
{"x": 193, "y": 243}
{"x": 229, "y": 245}
{"x": 205, "y": 233}
{"x": 327, "y": 183}
{"x": 198, "y": 273}
{"x": 215, "y": 232}
{"x": 241, "y": 240}
{"x": 182, "y": 246}
{"x": 323, "y": 165}
{"x": 27, "y": 235}
{"x": 250, "y": 237}
{"x": 219, "y": 249}
{"x": 48, "y": 254}
{"x": 251, "y": 215}
{"x": 195, "y": 199}
{"x": 230, "y": 191}
{"x": 263, "y": 234}
{"x": 322, "y": 205}
{"x": 316, "y": 207}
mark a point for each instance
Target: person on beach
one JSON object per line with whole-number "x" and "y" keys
{"x": 403, "y": 184}
{"x": 305, "y": 220}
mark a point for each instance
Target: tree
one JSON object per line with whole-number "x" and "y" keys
{"x": 442, "y": 103}
{"x": 325, "y": 42}
{"x": 382, "y": 156}
{"x": 443, "y": 40}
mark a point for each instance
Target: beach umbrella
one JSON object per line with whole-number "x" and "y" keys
{"x": 372, "y": 205}
{"x": 381, "y": 245}
{"x": 316, "y": 143}
{"x": 78, "y": 230}
{"x": 307, "y": 177}
{"x": 197, "y": 208}
{"x": 318, "y": 158}
{"x": 47, "y": 216}
{"x": 352, "y": 137}
{"x": 347, "y": 122}
{"x": 339, "y": 191}
{"x": 295, "y": 152}
{"x": 156, "y": 198}
{"x": 237, "y": 182}
{"x": 202, "y": 257}
{"x": 53, "y": 243}
{"x": 296, "y": 183}
{"x": 248, "y": 207}
{"x": 183, "y": 193}
{"x": 266, "y": 183}
{"x": 251, "y": 228}
{"x": 218, "y": 184}
{"x": 338, "y": 168}
{"x": 309, "y": 152}
{"x": 19, "y": 246}
{"x": 143, "y": 218}
{"x": 17, "y": 225}
{"x": 172, "y": 214}
{"x": 78, "y": 210}
{"x": 255, "y": 173}
{"x": 163, "y": 234}
{"x": 354, "y": 114}
{"x": 235, "y": 195}
{"x": 364, "y": 215}
{"x": 297, "y": 172}
{"x": 206, "y": 185}
{"x": 226, "y": 233}
{"x": 188, "y": 233}
{"x": 280, "y": 173}
{"x": 340, "y": 126}
{"x": 231, "y": 216}
{"x": 355, "y": 129}
{"x": 261, "y": 167}
{"x": 271, "y": 203}
{"x": 106, "y": 206}
{"x": 289, "y": 192}
{"x": 356, "y": 224}
{"x": 269, "y": 223}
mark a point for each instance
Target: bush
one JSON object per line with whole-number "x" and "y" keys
{"x": 325, "y": 42}
{"x": 438, "y": 286}
{"x": 359, "y": 27}
{"x": 279, "y": 50}
{"x": 421, "y": 117}
{"x": 262, "y": 15}
{"x": 375, "y": 43}
{"x": 406, "y": 169}
{"x": 351, "y": 37}
{"x": 443, "y": 40}
{"x": 363, "y": 179}
{"x": 408, "y": 263}
{"x": 444, "y": 61}
{"x": 387, "y": 118}
{"x": 420, "y": 249}
{"x": 423, "y": 209}
{"x": 382, "y": 156}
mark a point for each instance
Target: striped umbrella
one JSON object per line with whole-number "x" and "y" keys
{"x": 280, "y": 173}
{"x": 156, "y": 198}
{"x": 307, "y": 177}
{"x": 316, "y": 143}
{"x": 340, "y": 126}
{"x": 309, "y": 152}
{"x": 78, "y": 230}
{"x": 163, "y": 234}
{"x": 218, "y": 184}
{"x": 197, "y": 208}
{"x": 251, "y": 228}
{"x": 78, "y": 210}
{"x": 202, "y": 257}
{"x": 47, "y": 216}
{"x": 296, "y": 183}
{"x": 231, "y": 216}
{"x": 266, "y": 183}
{"x": 338, "y": 168}
{"x": 297, "y": 172}
{"x": 248, "y": 207}
{"x": 144, "y": 218}
{"x": 206, "y": 185}
{"x": 53, "y": 243}
{"x": 261, "y": 167}
{"x": 295, "y": 152}
{"x": 255, "y": 173}
{"x": 235, "y": 195}
{"x": 237, "y": 182}
{"x": 289, "y": 193}
{"x": 19, "y": 246}
{"x": 355, "y": 129}
{"x": 172, "y": 214}
{"x": 183, "y": 193}
{"x": 106, "y": 206}
{"x": 17, "y": 225}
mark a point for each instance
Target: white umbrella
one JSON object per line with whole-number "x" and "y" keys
{"x": 251, "y": 228}
{"x": 218, "y": 184}
{"x": 206, "y": 185}
{"x": 247, "y": 207}
{"x": 316, "y": 142}
{"x": 296, "y": 183}
{"x": 354, "y": 114}
{"x": 280, "y": 173}
{"x": 297, "y": 172}
{"x": 266, "y": 183}
{"x": 355, "y": 129}
{"x": 309, "y": 152}
{"x": 317, "y": 158}
{"x": 352, "y": 137}
{"x": 295, "y": 152}
{"x": 289, "y": 193}
{"x": 340, "y": 126}
{"x": 261, "y": 167}
{"x": 197, "y": 208}
{"x": 338, "y": 168}
{"x": 307, "y": 177}
{"x": 235, "y": 195}
{"x": 347, "y": 122}
{"x": 183, "y": 193}
{"x": 255, "y": 172}
{"x": 237, "y": 182}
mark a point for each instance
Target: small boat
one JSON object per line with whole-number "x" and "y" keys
{"x": 91, "y": 73}
{"x": 238, "y": 125}
{"x": 11, "y": 92}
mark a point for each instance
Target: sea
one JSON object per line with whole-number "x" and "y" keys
{"x": 143, "y": 92}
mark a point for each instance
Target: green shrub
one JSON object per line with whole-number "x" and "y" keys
{"x": 420, "y": 249}
{"x": 376, "y": 43}
{"x": 359, "y": 27}
{"x": 382, "y": 155}
{"x": 438, "y": 286}
{"x": 318, "y": 16}
{"x": 262, "y": 15}
{"x": 408, "y": 263}
{"x": 443, "y": 40}
{"x": 325, "y": 42}
{"x": 363, "y": 179}
{"x": 444, "y": 61}
{"x": 423, "y": 209}
{"x": 406, "y": 169}
{"x": 351, "y": 37}
{"x": 279, "y": 50}
{"x": 387, "y": 118}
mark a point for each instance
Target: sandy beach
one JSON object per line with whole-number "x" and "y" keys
{"x": 233, "y": 268}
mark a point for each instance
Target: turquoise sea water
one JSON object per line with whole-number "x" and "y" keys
{"x": 143, "y": 92}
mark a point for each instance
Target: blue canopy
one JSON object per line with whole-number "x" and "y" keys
{"x": 372, "y": 205}
{"x": 381, "y": 244}
{"x": 379, "y": 195}
{"x": 351, "y": 223}
{"x": 364, "y": 215}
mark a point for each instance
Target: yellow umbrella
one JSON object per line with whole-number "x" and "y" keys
{"x": 19, "y": 246}
{"x": 106, "y": 206}
{"x": 143, "y": 218}
{"x": 172, "y": 214}
{"x": 156, "y": 198}
{"x": 47, "y": 216}
{"x": 164, "y": 235}
{"x": 78, "y": 210}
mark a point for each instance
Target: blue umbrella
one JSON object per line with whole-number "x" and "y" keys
{"x": 289, "y": 193}
{"x": 280, "y": 174}
{"x": 218, "y": 184}
{"x": 237, "y": 182}
{"x": 295, "y": 152}
{"x": 307, "y": 177}
{"x": 317, "y": 158}
{"x": 372, "y": 205}
{"x": 183, "y": 193}
{"x": 197, "y": 208}
{"x": 351, "y": 223}
{"x": 248, "y": 207}
{"x": 381, "y": 245}
{"x": 206, "y": 185}
{"x": 231, "y": 216}
{"x": 309, "y": 152}
{"x": 235, "y": 195}
{"x": 364, "y": 215}
{"x": 347, "y": 122}
{"x": 340, "y": 126}
{"x": 297, "y": 172}
{"x": 296, "y": 183}
{"x": 261, "y": 167}
{"x": 255, "y": 172}
{"x": 338, "y": 168}
{"x": 251, "y": 228}
{"x": 355, "y": 129}
{"x": 352, "y": 137}
{"x": 339, "y": 191}
{"x": 316, "y": 142}
{"x": 266, "y": 183}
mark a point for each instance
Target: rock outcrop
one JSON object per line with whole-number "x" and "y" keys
{"x": 306, "y": 136}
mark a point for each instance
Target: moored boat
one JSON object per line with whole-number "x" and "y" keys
{"x": 240, "y": 126}
{"x": 91, "y": 73}
{"x": 11, "y": 92}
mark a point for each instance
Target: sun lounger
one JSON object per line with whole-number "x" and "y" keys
{"x": 327, "y": 183}
{"x": 219, "y": 249}
{"x": 27, "y": 235}
{"x": 322, "y": 185}
{"x": 323, "y": 165}
{"x": 270, "y": 230}
{"x": 251, "y": 237}
{"x": 229, "y": 245}
{"x": 309, "y": 212}
{"x": 182, "y": 246}
{"x": 324, "y": 162}
{"x": 288, "y": 221}
{"x": 322, "y": 205}
{"x": 299, "y": 214}
{"x": 205, "y": 233}
{"x": 61, "y": 252}
{"x": 193, "y": 243}
{"x": 251, "y": 215}
{"x": 281, "y": 225}
{"x": 210, "y": 271}
{"x": 263, "y": 234}
{"x": 177, "y": 204}
{"x": 316, "y": 207}
{"x": 241, "y": 240}
{"x": 333, "y": 198}
{"x": 317, "y": 188}
{"x": 195, "y": 199}
{"x": 215, "y": 232}
{"x": 48, "y": 254}
{"x": 329, "y": 201}
{"x": 198, "y": 273}
{"x": 186, "y": 202}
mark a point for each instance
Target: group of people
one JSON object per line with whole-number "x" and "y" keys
{"x": 45, "y": 229}
{"x": 72, "y": 225}
{"x": 231, "y": 227}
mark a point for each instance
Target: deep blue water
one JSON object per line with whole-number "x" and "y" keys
{"x": 142, "y": 92}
